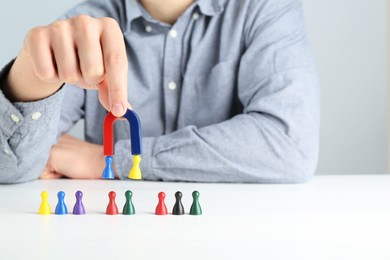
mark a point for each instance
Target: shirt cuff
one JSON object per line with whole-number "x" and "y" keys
{"x": 31, "y": 115}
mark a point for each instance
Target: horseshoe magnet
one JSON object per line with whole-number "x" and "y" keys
{"x": 136, "y": 145}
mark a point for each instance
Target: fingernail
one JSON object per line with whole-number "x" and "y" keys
{"x": 117, "y": 110}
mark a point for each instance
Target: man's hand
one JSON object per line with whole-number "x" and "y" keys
{"x": 74, "y": 158}
{"x": 83, "y": 51}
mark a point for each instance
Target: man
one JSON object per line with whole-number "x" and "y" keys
{"x": 226, "y": 91}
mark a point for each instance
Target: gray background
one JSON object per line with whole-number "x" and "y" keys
{"x": 349, "y": 41}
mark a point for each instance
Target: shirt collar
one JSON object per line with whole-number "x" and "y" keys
{"x": 207, "y": 7}
{"x": 211, "y": 7}
{"x": 133, "y": 10}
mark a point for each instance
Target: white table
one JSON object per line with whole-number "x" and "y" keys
{"x": 331, "y": 217}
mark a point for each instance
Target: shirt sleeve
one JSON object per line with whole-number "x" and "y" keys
{"x": 276, "y": 138}
{"x": 26, "y": 135}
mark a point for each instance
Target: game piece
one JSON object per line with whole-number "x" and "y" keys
{"x": 195, "y": 207}
{"x": 135, "y": 172}
{"x": 161, "y": 208}
{"x": 178, "y": 209}
{"x": 135, "y": 137}
{"x": 128, "y": 208}
{"x": 112, "y": 209}
{"x": 78, "y": 208}
{"x": 44, "y": 208}
{"x": 61, "y": 208}
{"x": 108, "y": 173}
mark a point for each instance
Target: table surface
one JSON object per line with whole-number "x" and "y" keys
{"x": 330, "y": 217}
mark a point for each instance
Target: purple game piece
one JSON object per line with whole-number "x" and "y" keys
{"x": 78, "y": 208}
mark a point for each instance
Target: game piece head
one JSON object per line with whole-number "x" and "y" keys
{"x": 161, "y": 195}
{"x": 137, "y": 159}
{"x": 108, "y": 159}
{"x": 61, "y": 195}
{"x": 44, "y": 195}
{"x": 79, "y": 195}
{"x": 128, "y": 194}
{"x": 178, "y": 195}
{"x": 111, "y": 195}
{"x": 195, "y": 194}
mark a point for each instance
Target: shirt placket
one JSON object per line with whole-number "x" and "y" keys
{"x": 172, "y": 78}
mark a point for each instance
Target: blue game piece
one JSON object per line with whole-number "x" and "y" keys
{"x": 78, "y": 208}
{"x": 108, "y": 173}
{"x": 61, "y": 208}
{"x": 135, "y": 131}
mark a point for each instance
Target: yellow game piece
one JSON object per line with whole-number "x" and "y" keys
{"x": 135, "y": 172}
{"x": 44, "y": 208}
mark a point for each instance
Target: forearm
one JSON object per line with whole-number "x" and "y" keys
{"x": 247, "y": 148}
{"x": 27, "y": 131}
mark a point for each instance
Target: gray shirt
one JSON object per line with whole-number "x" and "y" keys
{"x": 229, "y": 93}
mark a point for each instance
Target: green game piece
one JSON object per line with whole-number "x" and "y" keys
{"x": 128, "y": 208}
{"x": 195, "y": 207}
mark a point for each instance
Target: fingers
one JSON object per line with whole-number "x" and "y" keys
{"x": 64, "y": 53}
{"x": 50, "y": 172}
{"x": 37, "y": 45}
{"x": 103, "y": 94}
{"x": 46, "y": 175}
{"x": 87, "y": 159}
{"x": 89, "y": 50}
{"x": 84, "y": 51}
{"x": 115, "y": 64}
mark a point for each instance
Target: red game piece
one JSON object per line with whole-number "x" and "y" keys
{"x": 112, "y": 209}
{"x": 161, "y": 208}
